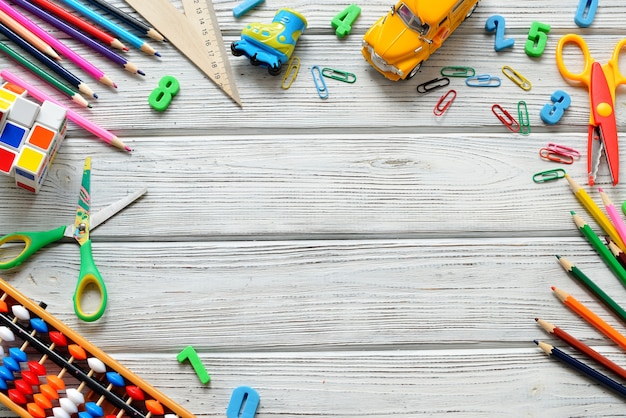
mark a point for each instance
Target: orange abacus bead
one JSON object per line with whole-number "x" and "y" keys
{"x": 77, "y": 351}
{"x": 48, "y": 391}
{"x": 56, "y": 382}
{"x": 155, "y": 407}
{"x": 35, "y": 411}
{"x": 42, "y": 400}
{"x": 3, "y": 307}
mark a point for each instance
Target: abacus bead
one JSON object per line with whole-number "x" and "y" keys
{"x": 135, "y": 393}
{"x": 5, "y": 373}
{"x": 30, "y": 377}
{"x": 6, "y": 334}
{"x": 4, "y": 307}
{"x": 39, "y": 325}
{"x": 77, "y": 352}
{"x": 17, "y": 354}
{"x": 96, "y": 365}
{"x": 3, "y": 385}
{"x": 75, "y": 396}
{"x": 42, "y": 400}
{"x": 57, "y": 338}
{"x": 155, "y": 407}
{"x": 94, "y": 409}
{"x": 170, "y": 416}
{"x": 35, "y": 367}
{"x": 17, "y": 396}
{"x": 56, "y": 382}
{"x": 48, "y": 391}
{"x": 23, "y": 387}
{"x": 20, "y": 312}
{"x": 59, "y": 412}
{"x": 68, "y": 406}
{"x": 35, "y": 411}
{"x": 84, "y": 414}
{"x": 11, "y": 364}
{"x": 115, "y": 379}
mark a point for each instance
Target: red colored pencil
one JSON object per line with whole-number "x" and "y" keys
{"x": 80, "y": 24}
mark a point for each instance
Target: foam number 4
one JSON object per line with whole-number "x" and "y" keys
{"x": 552, "y": 113}
{"x": 537, "y": 39}
{"x": 162, "y": 96}
{"x": 496, "y": 23}
{"x": 190, "y": 354}
{"x": 343, "y": 21}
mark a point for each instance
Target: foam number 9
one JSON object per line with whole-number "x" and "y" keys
{"x": 537, "y": 39}
{"x": 162, "y": 96}
{"x": 496, "y": 23}
{"x": 552, "y": 113}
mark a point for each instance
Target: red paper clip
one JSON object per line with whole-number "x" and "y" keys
{"x": 552, "y": 155}
{"x": 444, "y": 102}
{"x": 505, "y": 117}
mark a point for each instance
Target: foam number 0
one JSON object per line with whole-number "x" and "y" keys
{"x": 162, "y": 96}
{"x": 537, "y": 39}
{"x": 552, "y": 113}
{"x": 343, "y": 21}
{"x": 585, "y": 12}
{"x": 496, "y": 23}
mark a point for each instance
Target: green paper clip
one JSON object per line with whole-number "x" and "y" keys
{"x": 462, "y": 72}
{"x": 549, "y": 175}
{"x": 340, "y": 75}
{"x": 523, "y": 117}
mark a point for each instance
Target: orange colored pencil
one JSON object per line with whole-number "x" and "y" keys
{"x": 590, "y": 317}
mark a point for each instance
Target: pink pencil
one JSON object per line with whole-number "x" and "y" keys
{"x": 618, "y": 223}
{"x": 91, "y": 69}
{"x": 81, "y": 121}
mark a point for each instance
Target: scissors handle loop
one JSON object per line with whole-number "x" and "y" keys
{"x": 584, "y": 75}
{"x": 33, "y": 241}
{"x": 89, "y": 277}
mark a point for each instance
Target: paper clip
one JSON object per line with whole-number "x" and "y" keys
{"x": 517, "y": 78}
{"x": 563, "y": 150}
{"x": 463, "y": 72}
{"x": 344, "y": 76}
{"x": 524, "y": 119}
{"x": 505, "y": 117}
{"x": 433, "y": 85}
{"x": 551, "y": 155}
{"x": 549, "y": 175}
{"x": 291, "y": 73}
{"x": 444, "y": 103}
{"x": 483, "y": 80}
{"x": 320, "y": 84}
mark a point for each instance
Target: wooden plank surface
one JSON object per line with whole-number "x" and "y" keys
{"x": 349, "y": 257}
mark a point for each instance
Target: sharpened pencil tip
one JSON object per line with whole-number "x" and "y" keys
{"x": 127, "y": 148}
{"x": 95, "y": 96}
{"x": 536, "y": 342}
{"x": 557, "y": 256}
{"x": 157, "y": 54}
{"x": 140, "y": 72}
{"x": 600, "y": 190}
{"x": 553, "y": 287}
{"x": 536, "y": 319}
{"x": 89, "y": 105}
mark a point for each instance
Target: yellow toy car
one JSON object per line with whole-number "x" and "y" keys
{"x": 399, "y": 42}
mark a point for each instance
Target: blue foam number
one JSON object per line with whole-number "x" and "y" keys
{"x": 243, "y": 403}
{"x": 552, "y": 113}
{"x": 496, "y": 23}
{"x": 585, "y": 13}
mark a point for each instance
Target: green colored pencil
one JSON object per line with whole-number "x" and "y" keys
{"x": 29, "y": 65}
{"x": 593, "y": 288}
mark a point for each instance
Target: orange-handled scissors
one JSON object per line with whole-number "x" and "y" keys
{"x": 601, "y": 81}
{"x": 89, "y": 275}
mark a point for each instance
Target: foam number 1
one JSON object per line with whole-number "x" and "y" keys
{"x": 343, "y": 21}
{"x": 162, "y": 96}
{"x": 190, "y": 354}
{"x": 496, "y": 23}
{"x": 537, "y": 39}
{"x": 552, "y": 113}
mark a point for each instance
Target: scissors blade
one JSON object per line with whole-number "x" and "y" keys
{"x": 107, "y": 212}
{"x": 81, "y": 222}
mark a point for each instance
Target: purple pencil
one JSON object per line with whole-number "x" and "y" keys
{"x": 59, "y": 24}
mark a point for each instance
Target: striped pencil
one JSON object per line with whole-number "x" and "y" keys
{"x": 59, "y": 24}
{"x": 611, "y": 210}
{"x": 130, "y": 20}
{"x": 48, "y": 62}
{"x": 31, "y": 66}
{"x": 616, "y": 251}
{"x": 80, "y": 24}
{"x": 28, "y": 36}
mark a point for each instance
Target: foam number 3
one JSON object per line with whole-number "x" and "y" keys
{"x": 537, "y": 39}
{"x": 162, "y": 96}
{"x": 343, "y": 21}
{"x": 552, "y": 113}
{"x": 496, "y": 23}
{"x": 190, "y": 354}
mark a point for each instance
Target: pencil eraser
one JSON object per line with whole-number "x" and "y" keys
{"x": 245, "y": 7}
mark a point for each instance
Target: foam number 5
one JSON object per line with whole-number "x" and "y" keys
{"x": 552, "y": 113}
{"x": 343, "y": 21}
{"x": 537, "y": 39}
{"x": 162, "y": 96}
{"x": 496, "y": 23}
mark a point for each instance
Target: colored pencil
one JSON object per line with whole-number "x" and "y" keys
{"x": 605, "y": 380}
{"x": 48, "y": 62}
{"x": 593, "y": 319}
{"x": 614, "y": 215}
{"x": 576, "y": 273}
{"x": 29, "y": 65}
{"x": 28, "y": 36}
{"x": 81, "y": 121}
{"x": 595, "y": 211}
{"x": 80, "y": 24}
{"x": 59, "y": 24}
{"x": 88, "y": 67}
{"x": 130, "y": 20}
{"x": 598, "y": 245}
{"x": 582, "y": 347}
{"x": 616, "y": 251}
{"x": 110, "y": 26}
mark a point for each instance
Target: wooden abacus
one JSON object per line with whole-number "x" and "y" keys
{"x": 49, "y": 348}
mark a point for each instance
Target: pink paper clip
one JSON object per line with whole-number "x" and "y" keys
{"x": 552, "y": 155}
{"x": 563, "y": 150}
{"x": 505, "y": 117}
{"x": 444, "y": 102}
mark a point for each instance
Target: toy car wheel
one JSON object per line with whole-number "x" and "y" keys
{"x": 274, "y": 70}
{"x": 254, "y": 60}
{"x": 234, "y": 50}
{"x": 414, "y": 71}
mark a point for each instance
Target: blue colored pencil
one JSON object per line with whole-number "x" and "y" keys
{"x": 47, "y": 61}
{"x": 59, "y": 24}
{"x": 582, "y": 367}
{"x": 111, "y": 27}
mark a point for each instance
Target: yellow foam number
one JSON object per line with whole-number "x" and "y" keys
{"x": 162, "y": 96}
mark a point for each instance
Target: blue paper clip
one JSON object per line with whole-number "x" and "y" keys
{"x": 585, "y": 13}
{"x": 483, "y": 80}
{"x": 549, "y": 175}
{"x": 320, "y": 84}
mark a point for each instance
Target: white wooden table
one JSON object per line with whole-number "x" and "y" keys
{"x": 349, "y": 257}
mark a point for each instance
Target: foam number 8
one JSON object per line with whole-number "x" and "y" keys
{"x": 162, "y": 96}
{"x": 537, "y": 39}
{"x": 552, "y": 113}
{"x": 496, "y": 23}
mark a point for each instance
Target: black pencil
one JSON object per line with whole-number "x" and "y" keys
{"x": 130, "y": 20}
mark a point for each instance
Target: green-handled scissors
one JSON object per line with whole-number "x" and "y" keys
{"x": 79, "y": 230}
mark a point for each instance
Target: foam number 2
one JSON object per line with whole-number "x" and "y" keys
{"x": 537, "y": 39}
{"x": 552, "y": 113}
{"x": 190, "y": 354}
{"x": 496, "y": 23}
{"x": 162, "y": 96}
{"x": 343, "y": 21}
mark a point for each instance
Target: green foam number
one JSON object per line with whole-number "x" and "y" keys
{"x": 162, "y": 96}
{"x": 343, "y": 21}
{"x": 190, "y": 354}
{"x": 537, "y": 39}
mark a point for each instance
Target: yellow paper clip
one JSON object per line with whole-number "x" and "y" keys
{"x": 340, "y": 75}
{"x": 517, "y": 78}
{"x": 320, "y": 84}
{"x": 291, "y": 73}
{"x": 444, "y": 102}
{"x": 549, "y": 175}
{"x": 463, "y": 72}
{"x": 505, "y": 117}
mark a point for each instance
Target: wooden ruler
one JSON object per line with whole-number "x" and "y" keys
{"x": 196, "y": 34}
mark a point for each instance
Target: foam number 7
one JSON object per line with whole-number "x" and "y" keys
{"x": 537, "y": 39}
{"x": 496, "y": 23}
{"x": 343, "y": 21}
